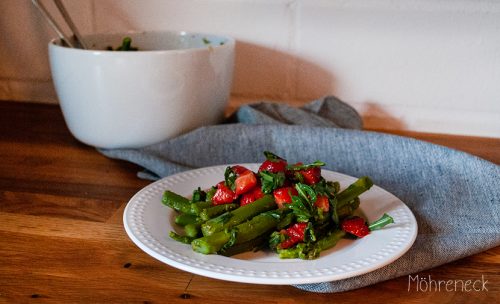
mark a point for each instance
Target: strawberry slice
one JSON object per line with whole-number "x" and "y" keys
{"x": 322, "y": 203}
{"x": 239, "y": 169}
{"x": 312, "y": 175}
{"x": 244, "y": 182}
{"x": 295, "y": 235}
{"x": 251, "y": 196}
{"x": 282, "y": 195}
{"x": 223, "y": 195}
{"x": 356, "y": 226}
{"x": 273, "y": 166}
{"x": 273, "y": 163}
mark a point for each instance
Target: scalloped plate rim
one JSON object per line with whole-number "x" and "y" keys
{"x": 187, "y": 260}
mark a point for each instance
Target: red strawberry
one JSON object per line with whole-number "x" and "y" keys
{"x": 356, "y": 226}
{"x": 239, "y": 169}
{"x": 251, "y": 196}
{"x": 295, "y": 235}
{"x": 274, "y": 166}
{"x": 312, "y": 175}
{"x": 273, "y": 163}
{"x": 282, "y": 195}
{"x": 244, "y": 182}
{"x": 223, "y": 195}
{"x": 322, "y": 203}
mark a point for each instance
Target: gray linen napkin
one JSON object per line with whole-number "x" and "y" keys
{"x": 455, "y": 196}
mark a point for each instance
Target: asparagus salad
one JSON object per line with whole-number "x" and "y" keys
{"x": 289, "y": 209}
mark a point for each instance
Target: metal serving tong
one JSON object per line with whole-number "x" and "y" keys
{"x": 76, "y": 41}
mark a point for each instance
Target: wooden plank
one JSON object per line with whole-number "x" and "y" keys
{"x": 52, "y": 163}
{"x": 58, "y": 206}
{"x": 79, "y": 269}
{"x": 38, "y": 225}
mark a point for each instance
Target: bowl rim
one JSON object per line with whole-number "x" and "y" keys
{"x": 230, "y": 42}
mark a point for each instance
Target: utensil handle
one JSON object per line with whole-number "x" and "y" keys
{"x": 70, "y": 23}
{"x": 52, "y": 22}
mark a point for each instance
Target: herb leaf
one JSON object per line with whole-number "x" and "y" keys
{"x": 271, "y": 181}
{"x": 381, "y": 222}
{"x": 309, "y": 234}
{"x": 306, "y": 192}
{"x": 304, "y": 167}
{"x": 328, "y": 188}
{"x": 210, "y": 194}
{"x": 223, "y": 218}
{"x": 230, "y": 178}
{"x": 231, "y": 241}
{"x": 275, "y": 239}
{"x": 271, "y": 156}
{"x": 198, "y": 196}
{"x": 302, "y": 211}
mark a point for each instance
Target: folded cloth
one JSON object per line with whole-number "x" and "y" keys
{"x": 169, "y": 157}
{"x": 454, "y": 196}
{"x": 326, "y": 112}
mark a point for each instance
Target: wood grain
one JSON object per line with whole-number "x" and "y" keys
{"x": 62, "y": 238}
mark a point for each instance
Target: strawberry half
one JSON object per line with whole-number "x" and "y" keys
{"x": 295, "y": 235}
{"x": 312, "y": 175}
{"x": 322, "y": 203}
{"x": 282, "y": 195}
{"x": 223, "y": 195}
{"x": 239, "y": 169}
{"x": 273, "y": 166}
{"x": 244, "y": 182}
{"x": 273, "y": 163}
{"x": 251, "y": 196}
{"x": 356, "y": 226}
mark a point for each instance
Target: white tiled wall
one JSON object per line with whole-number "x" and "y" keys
{"x": 424, "y": 65}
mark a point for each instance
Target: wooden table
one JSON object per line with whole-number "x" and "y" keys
{"x": 62, "y": 238}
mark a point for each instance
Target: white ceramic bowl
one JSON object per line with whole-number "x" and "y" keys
{"x": 176, "y": 82}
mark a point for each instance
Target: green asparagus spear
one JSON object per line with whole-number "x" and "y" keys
{"x": 252, "y": 245}
{"x": 333, "y": 187}
{"x": 197, "y": 208}
{"x": 257, "y": 226}
{"x": 237, "y": 216}
{"x": 286, "y": 220}
{"x": 214, "y": 211}
{"x": 212, "y": 243}
{"x": 348, "y": 209}
{"x": 330, "y": 240}
{"x": 193, "y": 230}
{"x": 181, "y": 238}
{"x": 354, "y": 190}
{"x": 182, "y": 204}
{"x": 126, "y": 45}
{"x": 351, "y": 193}
{"x": 185, "y": 218}
{"x": 176, "y": 202}
{"x": 309, "y": 251}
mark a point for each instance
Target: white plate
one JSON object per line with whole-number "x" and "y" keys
{"x": 148, "y": 222}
